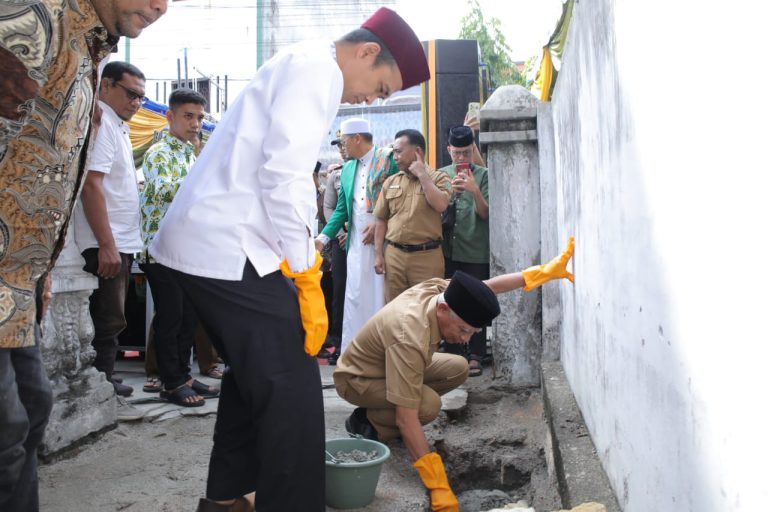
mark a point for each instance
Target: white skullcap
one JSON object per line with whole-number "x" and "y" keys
{"x": 353, "y": 126}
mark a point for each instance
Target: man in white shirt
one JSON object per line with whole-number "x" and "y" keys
{"x": 107, "y": 218}
{"x": 248, "y": 206}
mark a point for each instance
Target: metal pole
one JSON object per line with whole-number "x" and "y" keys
{"x": 178, "y": 72}
{"x": 218, "y": 93}
{"x": 186, "y": 69}
{"x": 226, "y": 91}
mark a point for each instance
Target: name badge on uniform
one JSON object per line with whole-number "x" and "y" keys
{"x": 394, "y": 186}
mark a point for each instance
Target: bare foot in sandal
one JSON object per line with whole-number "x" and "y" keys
{"x": 184, "y": 396}
{"x": 475, "y": 368}
{"x": 153, "y": 385}
{"x": 214, "y": 372}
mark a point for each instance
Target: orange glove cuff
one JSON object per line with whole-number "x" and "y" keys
{"x": 314, "y": 317}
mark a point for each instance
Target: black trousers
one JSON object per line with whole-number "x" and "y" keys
{"x": 25, "y": 404}
{"x": 174, "y": 323}
{"x": 477, "y": 343}
{"x": 107, "y": 307}
{"x": 339, "y": 271}
{"x": 270, "y": 429}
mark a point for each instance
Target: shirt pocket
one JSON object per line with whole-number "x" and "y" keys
{"x": 394, "y": 197}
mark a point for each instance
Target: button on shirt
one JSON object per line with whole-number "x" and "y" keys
{"x": 112, "y": 155}
{"x": 397, "y": 344}
{"x": 251, "y": 196}
{"x": 166, "y": 164}
{"x": 410, "y": 218}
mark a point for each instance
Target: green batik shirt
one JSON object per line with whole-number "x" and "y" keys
{"x": 166, "y": 164}
{"x": 469, "y": 242}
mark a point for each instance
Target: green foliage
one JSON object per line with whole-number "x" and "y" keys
{"x": 494, "y": 50}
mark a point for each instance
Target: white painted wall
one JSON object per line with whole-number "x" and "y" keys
{"x": 662, "y": 156}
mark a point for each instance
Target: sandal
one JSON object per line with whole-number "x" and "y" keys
{"x": 204, "y": 390}
{"x": 153, "y": 385}
{"x": 214, "y": 372}
{"x": 475, "y": 368}
{"x": 180, "y": 395}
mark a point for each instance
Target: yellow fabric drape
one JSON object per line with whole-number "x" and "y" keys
{"x": 553, "y": 51}
{"x": 544, "y": 78}
{"x": 143, "y": 126}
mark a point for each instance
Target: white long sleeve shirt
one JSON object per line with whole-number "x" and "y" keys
{"x": 251, "y": 194}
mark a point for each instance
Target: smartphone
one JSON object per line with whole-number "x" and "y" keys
{"x": 473, "y": 109}
{"x": 462, "y": 169}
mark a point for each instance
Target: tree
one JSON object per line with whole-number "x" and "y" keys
{"x": 494, "y": 50}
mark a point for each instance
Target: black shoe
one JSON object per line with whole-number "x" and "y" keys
{"x": 358, "y": 425}
{"x": 333, "y": 358}
{"x": 122, "y": 389}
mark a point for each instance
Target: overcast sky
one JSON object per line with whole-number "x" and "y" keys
{"x": 218, "y": 36}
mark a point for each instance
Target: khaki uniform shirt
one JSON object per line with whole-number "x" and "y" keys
{"x": 397, "y": 344}
{"x": 410, "y": 218}
{"x": 49, "y": 56}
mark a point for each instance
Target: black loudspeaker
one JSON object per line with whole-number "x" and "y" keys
{"x": 454, "y": 93}
{"x": 455, "y": 83}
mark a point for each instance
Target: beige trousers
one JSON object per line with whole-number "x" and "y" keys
{"x": 406, "y": 269}
{"x": 445, "y": 373}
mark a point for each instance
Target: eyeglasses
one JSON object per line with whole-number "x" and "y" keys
{"x": 131, "y": 94}
{"x": 466, "y": 153}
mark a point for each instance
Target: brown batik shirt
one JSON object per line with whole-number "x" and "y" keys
{"x": 49, "y": 56}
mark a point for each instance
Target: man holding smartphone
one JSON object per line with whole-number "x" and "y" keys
{"x": 467, "y": 249}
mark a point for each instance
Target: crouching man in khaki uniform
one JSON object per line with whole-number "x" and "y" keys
{"x": 393, "y": 374}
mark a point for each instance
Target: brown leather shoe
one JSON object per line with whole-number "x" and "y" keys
{"x": 240, "y": 505}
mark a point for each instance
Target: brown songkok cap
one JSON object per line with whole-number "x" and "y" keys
{"x": 402, "y": 43}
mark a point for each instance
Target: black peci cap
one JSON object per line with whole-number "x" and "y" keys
{"x": 460, "y": 136}
{"x": 472, "y": 300}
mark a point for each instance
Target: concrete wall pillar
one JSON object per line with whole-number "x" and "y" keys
{"x": 84, "y": 402}
{"x": 508, "y": 129}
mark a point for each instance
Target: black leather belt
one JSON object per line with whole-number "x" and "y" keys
{"x": 434, "y": 244}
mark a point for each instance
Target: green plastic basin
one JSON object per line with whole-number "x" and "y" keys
{"x": 352, "y": 484}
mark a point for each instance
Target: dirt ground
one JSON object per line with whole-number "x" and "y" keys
{"x": 493, "y": 448}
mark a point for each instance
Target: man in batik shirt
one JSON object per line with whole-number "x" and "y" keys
{"x": 166, "y": 164}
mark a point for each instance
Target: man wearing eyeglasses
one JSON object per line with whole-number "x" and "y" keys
{"x": 107, "y": 218}
{"x": 466, "y": 243}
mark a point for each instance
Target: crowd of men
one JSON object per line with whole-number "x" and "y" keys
{"x": 225, "y": 240}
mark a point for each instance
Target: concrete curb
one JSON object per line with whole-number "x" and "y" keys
{"x": 580, "y": 474}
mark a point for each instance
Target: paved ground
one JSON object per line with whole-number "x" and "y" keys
{"x": 159, "y": 462}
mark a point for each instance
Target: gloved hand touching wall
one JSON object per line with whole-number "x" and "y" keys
{"x": 432, "y": 473}
{"x": 314, "y": 317}
{"x": 539, "y": 274}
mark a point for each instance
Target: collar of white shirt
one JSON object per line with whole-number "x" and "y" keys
{"x": 366, "y": 160}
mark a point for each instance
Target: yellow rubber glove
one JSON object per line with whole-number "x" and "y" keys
{"x": 539, "y": 274}
{"x": 314, "y": 317}
{"x": 432, "y": 473}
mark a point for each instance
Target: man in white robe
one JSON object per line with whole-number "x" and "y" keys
{"x": 361, "y": 180}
